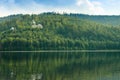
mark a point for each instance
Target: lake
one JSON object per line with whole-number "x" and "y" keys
{"x": 60, "y": 66}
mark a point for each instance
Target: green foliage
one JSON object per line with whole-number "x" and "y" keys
{"x": 59, "y": 32}
{"x": 105, "y": 19}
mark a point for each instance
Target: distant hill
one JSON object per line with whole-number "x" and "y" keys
{"x": 58, "y": 32}
{"x": 8, "y": 18}
{"x": 113, "y": 20}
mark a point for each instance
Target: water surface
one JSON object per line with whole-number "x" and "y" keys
{"x": 60, "y": 66}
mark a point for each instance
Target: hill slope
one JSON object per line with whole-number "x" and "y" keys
{"x": 108, "y": 20}
{"x": 58, "y": 32}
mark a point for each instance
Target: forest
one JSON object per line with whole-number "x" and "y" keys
{"x": 54, "y": 31}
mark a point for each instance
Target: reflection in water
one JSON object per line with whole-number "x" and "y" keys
{"x": 59, "y": 66}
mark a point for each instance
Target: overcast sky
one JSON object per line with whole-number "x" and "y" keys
{"x": 92, "y": 7}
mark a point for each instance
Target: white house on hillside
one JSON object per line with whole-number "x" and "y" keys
{"x": 34, "y": 25}
{"x": 12, "y": 28}
{"x": 33, "y": 22}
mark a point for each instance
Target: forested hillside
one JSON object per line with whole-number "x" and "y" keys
{"x": 104, "y": 19}
{"x": 51, "y": 31}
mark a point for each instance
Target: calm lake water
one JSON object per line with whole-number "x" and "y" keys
{"x": 60, "y": 66}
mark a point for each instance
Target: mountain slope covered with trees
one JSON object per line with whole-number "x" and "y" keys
{"x": 113, "y": 20}
{"x": 53, "y": 31}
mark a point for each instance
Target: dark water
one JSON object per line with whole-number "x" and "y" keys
{"x": 60, "y": 66}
